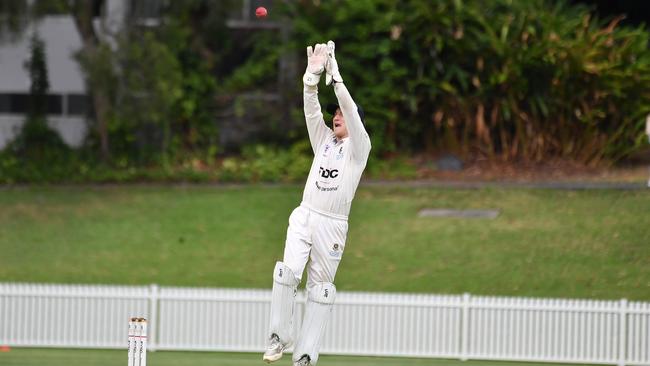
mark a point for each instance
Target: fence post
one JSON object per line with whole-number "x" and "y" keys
{"x": 622, "y": 330}
{"x": 464, "y": 335}
{"x": 153, "y": 317}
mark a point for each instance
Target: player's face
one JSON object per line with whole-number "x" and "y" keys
{"x": 338, "y": 124}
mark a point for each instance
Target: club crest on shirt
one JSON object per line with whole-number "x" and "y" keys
{"x": 327, "y": 148}
{"x": 339, "y": 156}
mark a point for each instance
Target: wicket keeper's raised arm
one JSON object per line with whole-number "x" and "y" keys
{"x": 350, "y": 110}
{"x": 360, "y": 142}
{"x": 316, "y": 126}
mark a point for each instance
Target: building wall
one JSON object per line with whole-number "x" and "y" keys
{"x": 61, "y": 41}
{"x": 69, "y": 104}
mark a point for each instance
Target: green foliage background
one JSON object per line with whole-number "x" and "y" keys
{"x": 503, "y": 80}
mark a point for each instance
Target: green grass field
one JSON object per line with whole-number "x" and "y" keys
{"x": 57, "y": 357}
{"x": 569, "y": 244}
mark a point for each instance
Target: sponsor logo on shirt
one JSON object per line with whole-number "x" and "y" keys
{"x": 326, "y": 189}
{"x": 328, "y": 173}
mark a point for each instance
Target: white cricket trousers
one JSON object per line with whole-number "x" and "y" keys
{"x": 316, "y": 236}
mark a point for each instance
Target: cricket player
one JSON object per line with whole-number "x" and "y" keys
{"x": 318, "y": 227}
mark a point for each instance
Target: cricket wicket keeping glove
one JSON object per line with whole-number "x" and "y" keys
{"x": 332, "y": 67}
{"x": 316, "y": 60}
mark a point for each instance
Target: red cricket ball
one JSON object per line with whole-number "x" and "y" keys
{"x": 261, "y": 12}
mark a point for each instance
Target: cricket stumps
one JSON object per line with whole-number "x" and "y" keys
{"x": 137, "y": 342}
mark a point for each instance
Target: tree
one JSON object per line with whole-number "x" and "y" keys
{"x": 37, "y": 67}
{"x": 93, "y": 55}
{"x": 36, "y": 143}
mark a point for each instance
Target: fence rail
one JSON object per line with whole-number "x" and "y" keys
{"x": 210, "y": 319}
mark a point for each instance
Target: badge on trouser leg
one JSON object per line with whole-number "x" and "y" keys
{"x": 319, "y": 308}
{"x": 283, "y": 299}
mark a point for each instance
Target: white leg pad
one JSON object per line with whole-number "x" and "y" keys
{"x": 320, "y": 302}
{"x": 283, "y": 302}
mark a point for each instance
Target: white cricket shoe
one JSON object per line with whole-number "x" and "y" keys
{"x": 274, "y": 349}
{"x": 303, "y": 361}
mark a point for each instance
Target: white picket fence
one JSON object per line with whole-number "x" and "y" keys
{"x": 463, "y": 327}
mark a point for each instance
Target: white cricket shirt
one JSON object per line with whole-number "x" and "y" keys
{"x": 338, "y": 164}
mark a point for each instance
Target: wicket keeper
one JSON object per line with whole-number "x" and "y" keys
{"x": 318, "y": 227}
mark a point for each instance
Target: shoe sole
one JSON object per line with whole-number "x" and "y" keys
{"x": 273, "y": 358}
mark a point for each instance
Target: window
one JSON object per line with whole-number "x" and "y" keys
{"x": 18, "y": 103}
{"x": 147, "y": 12}
{"x": 5, "y": 103}
{"x": 54, "y": 105}
{"x": 61, "y": 8}
{"x": 77, "y": 104}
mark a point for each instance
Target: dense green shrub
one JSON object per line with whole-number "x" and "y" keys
{"x": 268, "y": 164}
{"x": 257, "y": 163}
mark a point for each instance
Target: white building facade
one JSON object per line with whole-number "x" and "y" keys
{"x": 68, "y": 101}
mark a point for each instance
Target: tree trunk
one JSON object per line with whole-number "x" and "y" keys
{"x": 102, "y": 107}
{"x": 82, "y": 12}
